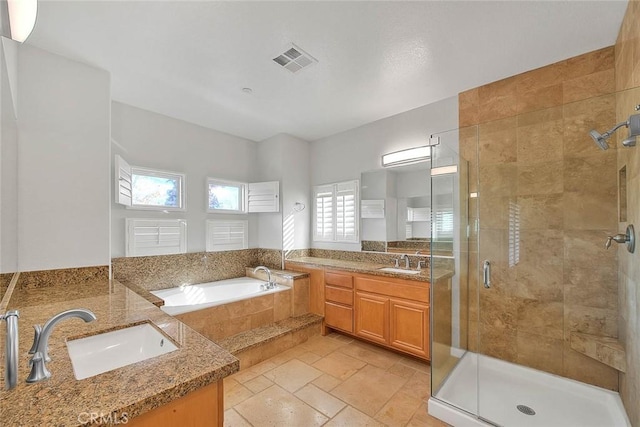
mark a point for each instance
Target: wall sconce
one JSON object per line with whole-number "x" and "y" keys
{"x": 444, "y": 170}
{"x": 407, "y": 157}
{"x": 21, "y": 18}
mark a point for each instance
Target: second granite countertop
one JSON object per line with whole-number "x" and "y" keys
{"x": 371, "y": 268}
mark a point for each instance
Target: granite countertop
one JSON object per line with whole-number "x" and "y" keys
{"x": 134, "y": 389}
{"x": 371, "y": 268}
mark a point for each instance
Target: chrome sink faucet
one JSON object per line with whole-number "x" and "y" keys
{"x": 11, "y": 356}
{"x": 270, "y": 284}
{"x": 407, "y": 263}
{"x": 39, "y": 349}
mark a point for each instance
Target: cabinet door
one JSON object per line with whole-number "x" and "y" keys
{"x": 338, "y": 316}
{"x": 372, "y": 317}
{"x": 410, "y": 327}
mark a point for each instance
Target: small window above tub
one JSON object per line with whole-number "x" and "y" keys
{"x": 226, "y": 196}
{"x": 227, "y": 235}
{"x": 241, "y": 197}
{"x": 152, "y": 189}
{"x": 146, "y": 237}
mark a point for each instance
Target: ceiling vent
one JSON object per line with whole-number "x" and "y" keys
{"x": 295, "y": 59}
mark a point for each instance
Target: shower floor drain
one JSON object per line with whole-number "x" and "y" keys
{"x": 526, "y": 410}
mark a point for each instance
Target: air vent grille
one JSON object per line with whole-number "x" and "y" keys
{"x": 294, "y": 59}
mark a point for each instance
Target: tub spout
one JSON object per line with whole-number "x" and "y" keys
{"x": 270, "y": 284}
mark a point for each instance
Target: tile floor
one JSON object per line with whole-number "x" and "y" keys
{"x": 331, "y": 381}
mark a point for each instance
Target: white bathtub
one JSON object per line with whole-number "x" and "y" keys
{"x": 196, "y": 297}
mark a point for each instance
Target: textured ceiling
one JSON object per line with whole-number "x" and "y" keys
{"x": 190, "y": 60}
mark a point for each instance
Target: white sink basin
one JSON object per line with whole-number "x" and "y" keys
{"x": 398, "y": 270}
{"x": 105, "y": 352}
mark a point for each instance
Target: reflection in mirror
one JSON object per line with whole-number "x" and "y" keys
{"x": 406, "y": 224}
{"x": 9, "y": 166}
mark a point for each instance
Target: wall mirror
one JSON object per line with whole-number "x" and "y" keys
{"x": 404, "y": 225}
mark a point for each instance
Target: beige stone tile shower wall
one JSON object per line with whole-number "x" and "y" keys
{"x": 628, "y": 86}
{"x": 547, "y": 199}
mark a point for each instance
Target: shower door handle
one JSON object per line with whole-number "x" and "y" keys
{"x": 486, "y": 270}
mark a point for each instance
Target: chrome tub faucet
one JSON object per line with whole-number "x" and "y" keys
{"x": 270, "y": 284}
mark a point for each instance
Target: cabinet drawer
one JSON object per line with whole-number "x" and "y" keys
{"x": 338, "y": 316}
{"x": 341, "y": 295}
{"x": 343, "y": 280}
{"x": 419, "y": 293}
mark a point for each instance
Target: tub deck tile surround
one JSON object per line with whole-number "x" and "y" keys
{"x": 168, "y": 271}
{"x": 133, "y": 389}
{"x": 258, "y": 336}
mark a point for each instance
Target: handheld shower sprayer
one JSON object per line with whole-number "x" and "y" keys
{"x": 634, "y": 130}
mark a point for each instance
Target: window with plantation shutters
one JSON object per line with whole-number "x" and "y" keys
{"x": 146, "y": 237}
{"x": 227, "y": 235}
{"x": 336, "y": 212}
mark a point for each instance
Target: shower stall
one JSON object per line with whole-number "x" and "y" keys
{"x": 526, "y": 203}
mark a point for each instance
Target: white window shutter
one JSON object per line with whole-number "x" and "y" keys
{"x": 263, "y": 197}
{"x": 227, "y": 235}
{"x": 324, "y": 212}
{"x": 123, "y": 181}
{"x": 372, "y": 209}
{"x": 146, "y": 237}
{"x": 347, "y": 211}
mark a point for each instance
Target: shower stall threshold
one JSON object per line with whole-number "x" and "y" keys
{"x": 511, "y": 395}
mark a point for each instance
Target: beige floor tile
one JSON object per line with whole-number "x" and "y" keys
{"x": 401, "y": 370}
{"x": 421, "y": 418}
{"x": 370, "y": 354}
{"x": 399, "y": 410}
{"x": 233, "y": 419}
{"x": 322, "y": 345}
{"x": 415, "y": 364}
{"x": 308, "y": 357}
{"x": 326, "y": 382}
{"x": 350, "y": 417}
{"x": 293, "y": 375}
{"x": 277, "y": 407}
{"x": 254, "y": 371}
{"x": 340, "y": 337}
{"x": 234, "y": 393}
{"x": 320, "y": 400}
{"x": 339, "y": 365}
{"x": 418, "y": 385}
{"x": 258, "y": 384}
{"x": 369, "y": 389}
{"x": 287, "y": 355}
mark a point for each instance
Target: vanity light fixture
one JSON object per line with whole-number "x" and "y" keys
{"x": 22, "y": 18}
{"x": 406, "y": 157}
{"x": 444, "y": 170}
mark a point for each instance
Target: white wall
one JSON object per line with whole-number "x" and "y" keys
{"x": 147, "y": 139}
{"x": 346, "y": 155}
{"x": 285, "y": 158}
{"x": 8, "y": 158}
{"x": 63, "y": 161}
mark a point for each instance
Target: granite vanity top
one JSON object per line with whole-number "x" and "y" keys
{"x": 370, "y": 268}
{"x": 134, "y": 389}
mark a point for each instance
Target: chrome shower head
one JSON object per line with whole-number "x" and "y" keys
{"x": 600, "y": 140}
{"x": 634, "y": 130}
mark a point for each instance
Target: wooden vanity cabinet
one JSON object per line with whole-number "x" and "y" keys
{"x": 338, "y": 304}
{"x": 409, "y": 327}
{"x": 372, "y": 317}
{"x": 393, "y": 312}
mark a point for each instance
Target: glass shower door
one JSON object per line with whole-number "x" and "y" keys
{"x": 454, "y": 257}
